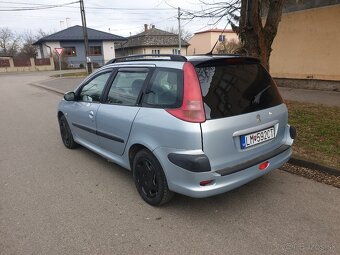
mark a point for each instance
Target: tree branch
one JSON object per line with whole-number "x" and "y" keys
{"x": 273, "y": 19}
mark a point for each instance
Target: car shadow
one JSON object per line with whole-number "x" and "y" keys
{"x": 254, "y": 193}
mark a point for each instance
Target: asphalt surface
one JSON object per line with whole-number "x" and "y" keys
{"x": 59, "y": 201}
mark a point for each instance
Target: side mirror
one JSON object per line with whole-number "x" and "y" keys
{"x": 70, "y": 96}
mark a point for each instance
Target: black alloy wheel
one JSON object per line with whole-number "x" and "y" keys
{"x": 66, "y": 134}
{"x": 150, "y": 179}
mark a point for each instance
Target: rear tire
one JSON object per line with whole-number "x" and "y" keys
{"x": 66, "y": 134}
{"x": 150, "y": 179}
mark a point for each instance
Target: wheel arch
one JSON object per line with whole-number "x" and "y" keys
{"x": 60, "y": 113}
{"x": 133, "y": 150}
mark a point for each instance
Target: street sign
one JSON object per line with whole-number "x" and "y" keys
{"x": 59, "y": 51}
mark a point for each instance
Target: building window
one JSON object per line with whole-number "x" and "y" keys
{"x": 221, "y": 38}
{"x": 70, "y": 51}
{"x": 176, "y": 51}
{"x": 95, "y": 50}
{"x": 156, "y": 52}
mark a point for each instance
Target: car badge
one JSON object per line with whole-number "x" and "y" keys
{"x": 258, "y": 118}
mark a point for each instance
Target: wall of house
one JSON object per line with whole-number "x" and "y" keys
{"x": 148, "y": 50}
{"x": 202, "y": 43}
{"x": 164, "y": 50}
{"x": 307, "y": 45}
{"x": 44, "y": 51}
{"x": 108, "y": 50}
{"x": 80, "y": 53}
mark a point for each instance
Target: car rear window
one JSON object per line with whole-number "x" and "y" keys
{"x": 234, "y": 89}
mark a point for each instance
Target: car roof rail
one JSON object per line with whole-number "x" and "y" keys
{"x": 149, "y": 57}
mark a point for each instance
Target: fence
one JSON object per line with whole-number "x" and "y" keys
{"x": 9, "y": 64}
{"x": 42, "y": 61}
{"x": 20, "y": 62}
{"x": 82, "y": 64}
{"x": 4, "y": 63}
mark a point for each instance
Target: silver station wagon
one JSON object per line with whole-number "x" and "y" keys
{"x": 198, "y": 126}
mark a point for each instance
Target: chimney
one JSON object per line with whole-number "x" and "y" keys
{"x": 145, "y": 27}
{"x": 68, "y": 22}
{"x": 153, "y": 26}
{"x": 62, "y": 24}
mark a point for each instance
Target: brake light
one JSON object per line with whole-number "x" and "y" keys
{"x": 191, "y": 109}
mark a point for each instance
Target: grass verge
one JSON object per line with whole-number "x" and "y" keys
{"x": 318, "y": 137}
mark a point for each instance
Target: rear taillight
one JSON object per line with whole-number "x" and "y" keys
{"x": 191, "y": 109}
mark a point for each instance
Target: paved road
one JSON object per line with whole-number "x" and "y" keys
{"x": 330, "y": 98}
{"x": 59, "y": 201}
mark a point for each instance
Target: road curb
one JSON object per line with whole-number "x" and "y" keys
{"x": 308, "y": 164}
{"x": 39, "y": 85}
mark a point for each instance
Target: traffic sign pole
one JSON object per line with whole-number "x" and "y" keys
{"x": 59, "y": 51}
{"x": 59, "y": 66}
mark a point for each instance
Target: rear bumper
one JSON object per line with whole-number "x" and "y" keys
{"x": 188, "y": 183}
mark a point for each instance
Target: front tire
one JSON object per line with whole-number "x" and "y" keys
{"x": 66, "y": 134}
{"x": 150, "y": 179}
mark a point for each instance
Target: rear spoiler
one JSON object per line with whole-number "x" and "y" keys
{"x": 223, "y": 60}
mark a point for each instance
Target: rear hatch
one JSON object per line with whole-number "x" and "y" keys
{"x": 245, "y": 114}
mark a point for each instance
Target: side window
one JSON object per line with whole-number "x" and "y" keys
{"x": 92, "y": 91}
{"x": 126, "y": 87}
{"x": 165, "y": 88}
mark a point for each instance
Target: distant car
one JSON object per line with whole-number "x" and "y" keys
{"x": 198, "y": 126}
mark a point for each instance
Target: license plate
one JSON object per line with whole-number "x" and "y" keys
{"x": 257, "y": 137}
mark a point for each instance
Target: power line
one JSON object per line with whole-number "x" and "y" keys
{"x": 6, "y": 2}
{"x": 45, "y": 6}
{"x": 42, "y": 7}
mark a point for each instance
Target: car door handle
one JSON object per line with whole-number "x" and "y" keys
{"x": 91, "y": 114}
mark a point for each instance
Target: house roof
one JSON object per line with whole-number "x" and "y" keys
{"x": 153, "y": 37}
{"x": 75, "y": 33}
{"x": 215, "y": 30}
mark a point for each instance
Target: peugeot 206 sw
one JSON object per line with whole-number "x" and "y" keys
{"x": 198, "y": 126}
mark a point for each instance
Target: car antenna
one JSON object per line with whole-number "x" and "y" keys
{"x": 211, "y": 52}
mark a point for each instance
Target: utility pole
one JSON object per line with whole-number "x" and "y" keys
{"x": 179, "y": 31}
{"x": 86, "y": 39}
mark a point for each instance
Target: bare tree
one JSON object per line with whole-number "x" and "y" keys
{"x": 28, "y": 49}
{"x": 40, "y": 34}
{"x": 256, "y": 33}
{"x": 230, "y": 47}
{"x": 9, "y": 42}
{"x": 185, "y": 34}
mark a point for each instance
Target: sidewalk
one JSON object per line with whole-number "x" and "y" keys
{"x": 330, "y": 98}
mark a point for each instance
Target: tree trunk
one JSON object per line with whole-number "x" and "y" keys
{"x": 256, "y": 38}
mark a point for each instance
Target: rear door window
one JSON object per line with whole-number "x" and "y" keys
{"x": 165, "y": 88}
{"x": 127, "y": 86}
{"x": 234, "y": 89}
